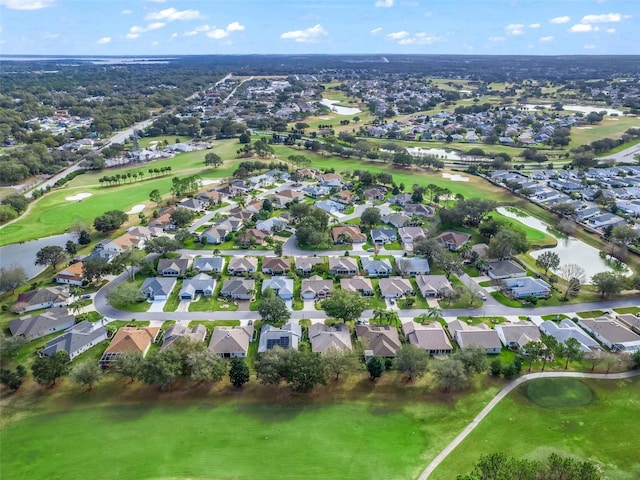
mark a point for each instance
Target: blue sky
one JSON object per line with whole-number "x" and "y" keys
{"x": 173, "y": 27}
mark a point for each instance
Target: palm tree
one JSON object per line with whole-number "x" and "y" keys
{"x": 379, "y": 314}
{"x": 433, "y": 313}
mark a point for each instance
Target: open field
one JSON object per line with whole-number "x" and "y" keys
{"x": 535, "y": 237}
{"x": 356, "y": 430}
{"x": 610, "y": 127}
{"x": 598, "y": 430}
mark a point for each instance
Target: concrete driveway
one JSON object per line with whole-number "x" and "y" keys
{"x": 157, "y": 306}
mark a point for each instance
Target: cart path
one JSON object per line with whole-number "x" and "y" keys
{"x": 504, "y": 392}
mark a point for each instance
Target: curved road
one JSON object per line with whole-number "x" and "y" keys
{"x": 503, "y": 393}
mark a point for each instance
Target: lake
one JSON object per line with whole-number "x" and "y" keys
{"x": 569, "y": 249}
{"x": 338, "y": 109}
{"x": 586, "y": 109}
{"x": 434, "y": 152}
{"x": 25, "y": 253}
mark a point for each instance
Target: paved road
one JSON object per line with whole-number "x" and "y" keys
{"x": 503, "y": 393}
{"x": 625, "y": 155}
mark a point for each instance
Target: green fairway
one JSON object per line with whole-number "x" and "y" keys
{"x": 559, "y": 392}
{"x": 604, "y": 430}
{"x": 535, "y": 237}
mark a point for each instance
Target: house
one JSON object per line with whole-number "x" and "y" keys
{"x": 146, "y": 233}
{"x": 218, "y": 232}
{"x": 502, "y": 269}
{"x": 129, "y": 340}
{"x": 315, "y": 288}
{"x": 72, "y": 275}
{"x": 524, "y": 287}
{"x": 193, "y": 204}
{"x": 412, "y": 266}
{"x": 282, "y": 286}
{"x": 475, "y": 336}
{"x": 328, "y": 177}
{"x": 611, "y": 333}
{"x": 453, "y": 240}
{"x": 252, "y": 236}
{"x": 345, "y": 266}
{"x": 374, "y": 193}
{"x": 242, "y": 265}
{"x": 357, "y": 284}
{"x": 176, "y": 331}
{"x": 111, "y": 247}
{"x": 330, "y": 206}
{"x": 273, "y": 224}
{"x": 47, "y": 297}
{"x": 345, "y": 196}
{"x": 605, "y": 219}
{"x": 284, "y": 197}
{"x": 276, "y": 265}
{"x": 212, "y": 197}
{"x": 76, "y": 340}
{"x": 379, "y": 340}
{"x": 324, "y": 338}
{"x": 381, "y": 236}
{"x": 238, "y": 289}
{"x": 286, "y": 337}
{"x": 163, "y": 220}
{"x": 316, "y": 191}
{"x": 157, "y": 288}
{"x": 375, "y": 267}
{"x": 201, "y": 284}
{"x": 401, "y": 199}
{"x": 347, "y": 234}
{"x": 409, "y": 235}
{"x": 394, "y": 287}
{"x": 433, "y": 285}
{"x": 517, "y": 334}
{"x": 231, "y": 342}
{"x": 305, "y": 264}
{"x": 46, "y": 323}
{"x": 630, "y": 321}
{"x": 173, "y": 267}
{"x": 419, "y": 210}
{"x": 209, "y": 264}
{"x": 396, "y": 219}
{"x": 431, "y": 337}
{"x": 565, "y": 330}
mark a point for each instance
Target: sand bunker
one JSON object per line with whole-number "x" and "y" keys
{"x": 584, "y": 128}
{"x": 136, "y": 209}
{"x": 207, "y": 181}
{"x": 455, "y": 177}
{"x": 77, "y": 197}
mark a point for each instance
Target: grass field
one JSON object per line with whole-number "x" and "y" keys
{"x": 598, "y": 430}
{"x": 364, "y": 430}
{"x": 609, "y": 127}
{"x": 535, "y": 237}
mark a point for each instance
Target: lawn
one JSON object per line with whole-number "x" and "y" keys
{"x": 596, "y": 428}
{"x": 353, "y": 431}
{"x": 534, "y": 237}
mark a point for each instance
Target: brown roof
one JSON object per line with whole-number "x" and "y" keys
{"x": 350, "y": 231}
{"x": 276, "y": 263}
{"x": 431, "y": 337}
{"x": 72, "y": 271}
{"x": 453, "y": 238}
{"x": 383, "y": 340}
{"x": 132, "y": 339}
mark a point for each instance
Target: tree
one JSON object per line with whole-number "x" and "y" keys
{"x": 86, "y": 374}
{"x": 375, "y": 367}
{"x": 155, "y": 196}
{"x": 272, "y": 366}
{"x": 370, "y": 216}
{"x": 548, "y": 260}
{"x": 129, "y": 260}
{"x": 339, "y": 361}
{"x": 93, "y": 269}
{"x": 238, "y": 372}
{"x": 449, "y": 263}
{"x": 623, "y": 235}
{"x": 571, "y": 350}
{"x": 50, "y": 255}
{"x": 575, "y": 276}
{"x": 71, "y": 247}
{"x": 534, "y": 349}
{"x": 595, "y": 357}
{"x": 473, "y": 358}
{"x": 347, "y": 306}
{"x": 13, "y": 378}
{"x": 16, "y": 201}
{"x": 428, "y": 248}
{"x": 12, "y": 277}
{"x": 182, "y": 217}
{"x": 10, "y": 346}
{"x": 411, "y": 360}
{"x": 304, "y": 370}
{"x": 46, "y": 370}
{"x": 124, "y": 294}
{"x": 449, "y": 374}
{"x": 508, "y": 242}
{"x": 607, "y": 283}
{"x": 84, "y": 238}
{"x": 110, "y": 221}
{"x": 206, "y": 366}
{"x": 212, "y": 159}
{"x": 161, "y": 245}
{"x": 161, "y": 367}
{"x": 128, "y": 365}
{"x": 273, "y": 309}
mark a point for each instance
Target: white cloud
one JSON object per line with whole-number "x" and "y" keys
{"x": 309, "y": 35}
{"x": 534, "y": 25}
{"x": 155, "y": 44}
{"x": 217, "y": 33}
{"x": 104, "y": 41}
{"x": 171, "y": 14}
{"x": 132, "y": 36}
{"x": 135, "y": 31}
{"x": 546, "y": 39}
{"x": 398, "y": 35}
{"x": 581, "y": 28}
{"x": 603, "y": 18}
{"x": 126, "y": 12}
{"x": 421, "y": 38}
{"x": 384, "y": 3}
{"x": 497, "y": 39}
{"x": 559, "y": 20}
{"x": 26, "y": 4}
{"x": 376, "y": 30}
{"x": 154, "y": 26}
{"x": 235, "y": 27}
{"x": 589, "y": 46}
{"x": 173, "y": 35}
{"x": 50, "y": 36}
{"x": 515, "y": 29}
{"x": 611, "y": 30}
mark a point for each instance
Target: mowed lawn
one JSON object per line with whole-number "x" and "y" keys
{"x": 606, "y": 430}
{"x": 382, "y": 431}
{"x": 534, "y": 236}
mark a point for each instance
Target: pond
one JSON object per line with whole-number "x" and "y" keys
{"x": 586, "y": 109}
{"x": 338, "y": 109}
{"x": 569, "y": 249}
{"x": 24, "y": 254}
{"x": 434, "y": 152}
